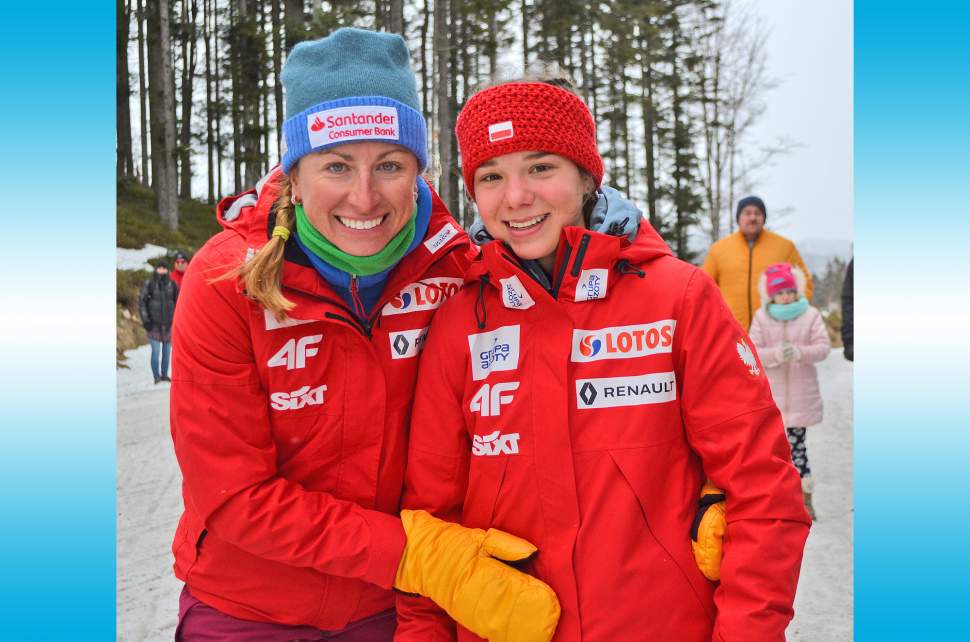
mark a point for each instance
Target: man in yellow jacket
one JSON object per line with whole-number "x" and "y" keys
{"x": 736, "y": 261}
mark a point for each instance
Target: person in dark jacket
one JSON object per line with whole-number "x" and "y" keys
{"x": 847, "y": 311}
{"x": 157, "y": 307}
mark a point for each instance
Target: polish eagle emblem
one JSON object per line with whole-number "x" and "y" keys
{"x": 747, "y": 357}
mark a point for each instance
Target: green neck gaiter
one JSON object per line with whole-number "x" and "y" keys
{"x": 358, "y": 265}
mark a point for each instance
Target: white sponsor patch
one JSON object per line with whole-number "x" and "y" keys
{"x": 748, "y": 358}
{"x": 299, "y": 398}
{"x": 623, "y": 342}
{"x": 426, "y": 295}
{"x": 343, "y": 124}
{"x": 408, "y": 343}
{"x": 494, "y": 351}
{"x": 495, "y": 443}
{"x": 436, "y": 242}
{"x": 273, "y": 324}
{"x": 591, "y": 284}
{"x": 514, "y": 294}
{"x": 500, "y": 131}
{"x": 612, "y": 392}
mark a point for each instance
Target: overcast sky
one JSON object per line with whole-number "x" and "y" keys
{"x": 810, "y": 52}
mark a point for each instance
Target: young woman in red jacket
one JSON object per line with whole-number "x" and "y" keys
{"x": 296, "y": 343}
{"x": 580, "y": 388}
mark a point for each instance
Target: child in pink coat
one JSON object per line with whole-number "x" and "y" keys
{"x": 791, "y": 338}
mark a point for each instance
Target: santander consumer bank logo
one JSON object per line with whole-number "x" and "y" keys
{"x": 362, "y": 122}
{"x": 623, "y": 342}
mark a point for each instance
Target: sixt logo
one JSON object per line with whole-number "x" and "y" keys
{"x": 488, "y": 401}
{"x": 294, "y": 353}
{"x": 305, "y": 396}
{"x": 612, "y": 392}
{"x": 495, "y": 443}
{"x": 591, "y": 285}
{"x": 426, "y": 295}
{"x": 623, "y": 342}
{"x": 408, "y": 343}
{"x": 494, "y": 351}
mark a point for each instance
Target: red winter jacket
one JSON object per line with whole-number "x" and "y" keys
{"x": 586, "y": 421}
{"x": 291, "y": 436}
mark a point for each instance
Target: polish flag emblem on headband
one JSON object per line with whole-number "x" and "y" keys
{"x": 500, "y": 131}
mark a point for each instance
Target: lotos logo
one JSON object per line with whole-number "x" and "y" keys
{"x": 360, "y": 122}
{"x": 494, "y": 351}
{"x": 591, "y": 285}
{"x": 299, "y": 398}
{"x": 623, "y": 342}
{"x": 495, "y": 443}
{"x": 425, "y": 295}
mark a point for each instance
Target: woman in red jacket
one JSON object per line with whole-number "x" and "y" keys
{"x": 296, "y": 342}
{"x": 581, "y": 386}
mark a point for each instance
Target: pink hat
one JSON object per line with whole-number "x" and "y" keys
{"x": 779, "y": 277}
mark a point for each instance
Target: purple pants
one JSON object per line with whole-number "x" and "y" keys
{"x": 200, "y": 622}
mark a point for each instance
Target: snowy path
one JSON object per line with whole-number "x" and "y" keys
{"x": 149, "y": 505}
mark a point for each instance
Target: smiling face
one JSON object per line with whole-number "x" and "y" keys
{"x": 357, "y": 195}
{"x": 526, "y": 198}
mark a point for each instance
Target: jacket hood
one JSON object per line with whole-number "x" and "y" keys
{"x": 800, "y": 281}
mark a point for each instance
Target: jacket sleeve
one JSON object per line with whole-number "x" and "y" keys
{"x": 847, "y": 312}
{"x": 819, "y": 345}
{"x": 438, "y": 459}
{"x": 143, "y": 298}
{"x": 225, "y": 449}
{"x": 734, "y": 426}
{"x": 770, "y": 355}
{"x": 796, "y": 259}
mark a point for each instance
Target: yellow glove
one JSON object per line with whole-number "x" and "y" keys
{"x": 459, "y": 569}
{"x": 708, "y": 531}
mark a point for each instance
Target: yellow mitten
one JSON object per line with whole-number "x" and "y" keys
{"x": 459, "y": 569}
{"x": 708, "y": 531}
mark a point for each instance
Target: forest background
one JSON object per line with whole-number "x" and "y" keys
{"x": 676, "y": 87}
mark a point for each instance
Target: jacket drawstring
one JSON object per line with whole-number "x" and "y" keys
{"x": 624, "y": 267}
{"x": 480, "y": 302}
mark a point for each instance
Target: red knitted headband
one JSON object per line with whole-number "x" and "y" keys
{"x": 526, "y": 116}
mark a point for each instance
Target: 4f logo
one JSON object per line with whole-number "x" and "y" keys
{"x": 305, "y": 396}
{"x": 294, "y": 352}
{"x": 489, "y": 399}
{"x": 495, "y": 444}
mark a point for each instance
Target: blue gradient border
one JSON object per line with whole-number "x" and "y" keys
{"x": 57, "y": 378}
{"x": 912, "y": 187}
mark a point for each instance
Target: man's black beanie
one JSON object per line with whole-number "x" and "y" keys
{"x": 750, "y": 200}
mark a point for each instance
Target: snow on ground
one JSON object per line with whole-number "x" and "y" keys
{"x": 138, "y": 259}
{"x": 149, "y": 504}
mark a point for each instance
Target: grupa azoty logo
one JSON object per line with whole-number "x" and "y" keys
{"x": 494, "y": 351}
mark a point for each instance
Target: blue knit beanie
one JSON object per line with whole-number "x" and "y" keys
{"x": 354, "y": 85}
{"x": 750, "y": 200}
